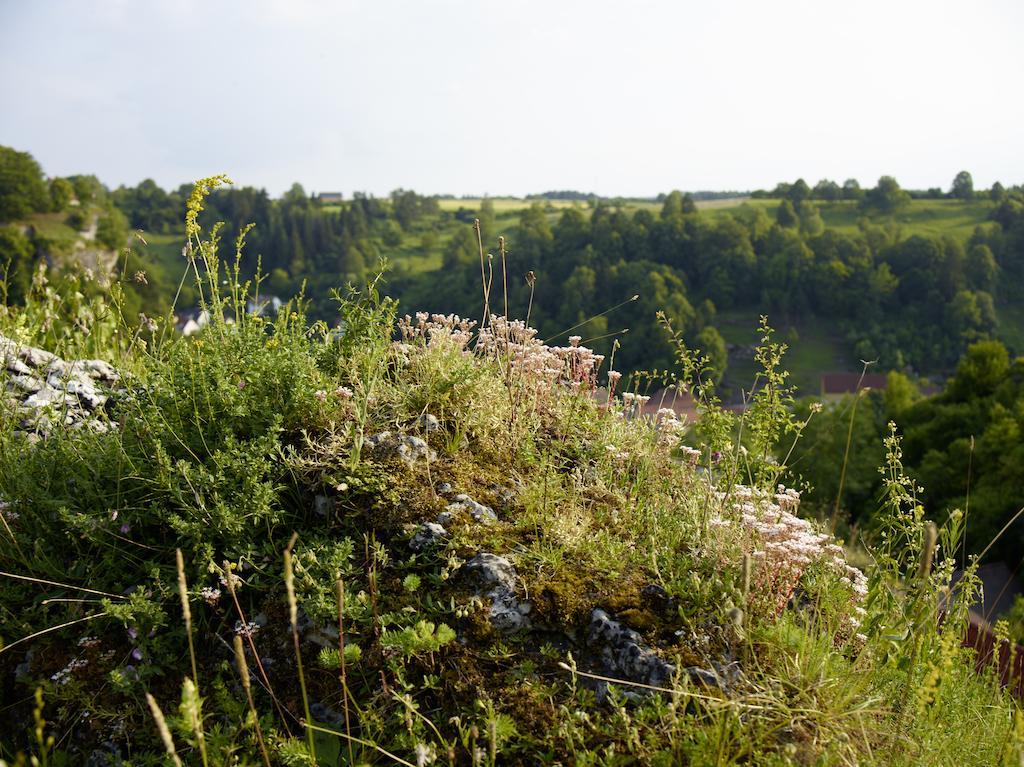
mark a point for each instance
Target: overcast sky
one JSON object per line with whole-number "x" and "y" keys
{"x": 467, "y": 97}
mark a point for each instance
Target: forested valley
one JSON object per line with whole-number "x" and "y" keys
{"x": 923, "y": 286}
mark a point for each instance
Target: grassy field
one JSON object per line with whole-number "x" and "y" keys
{"x": 815, "y": 347}
{"x": 54, "y": 227}
{"x": 516, "y": 204}
{"x": 925, "y": 217}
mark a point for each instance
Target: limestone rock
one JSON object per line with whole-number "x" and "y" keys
{"x": 428, "y": 423}
{"x": 496, "y": 578}
{"x": 462, "y": 503}
{"x": 624, "y": 652}
{"x": 44, "y": 390}
{"x": 428, "y": 536}
{"x": 410, "y": 449}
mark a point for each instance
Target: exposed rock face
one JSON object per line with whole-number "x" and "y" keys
{"x": 428, "y": 423}
{"x": 428, "y": 536}
{"x": 411, "y": 450}
{"x": 624, "y": 653}
{"x": 45, "y": 391}
{"x": 496, "y": 578}
{"x": 463, "y": 504}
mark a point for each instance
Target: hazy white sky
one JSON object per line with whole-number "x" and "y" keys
{"x": 518, "y": 96}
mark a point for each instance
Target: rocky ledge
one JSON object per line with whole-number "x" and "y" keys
{"x": 43, "y": 391}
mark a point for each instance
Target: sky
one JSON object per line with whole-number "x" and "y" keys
{"x": 626, "y": 98}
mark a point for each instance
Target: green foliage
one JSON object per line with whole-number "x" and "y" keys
{"x": 61, "y": 194}
{"x": 112, "y": 229}
{"x": 16, "y": 263}
{"x": 22, "y": 189}
{"x": 886, "y": 198}
{"x": 227, "y": 443}
{"x": 710, "y": 343}
{"x": 421, "y": 639}
{"x": 963, "y": 186}
{"x": 330, "y": 657}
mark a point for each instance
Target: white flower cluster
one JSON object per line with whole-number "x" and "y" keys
{"x": 783, "y": 546}
{"x": 62, "y": 676}
{"x": 210, "y": 595}
{"x": 691, "y": 455}
{"x": 538, "y": 364}
{"x": 246, "y": 629}
{"x": 436, "y": 329}
{"x": 615, "y": 453}
{"x": 670, "y": 428}
{"x": 633, "y": 405}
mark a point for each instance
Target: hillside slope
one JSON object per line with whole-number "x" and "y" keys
{"x": 420, "y": 541}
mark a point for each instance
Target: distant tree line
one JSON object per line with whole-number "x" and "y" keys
{"x": 905, "y": 302}
{"x": 909, "y": 302}
{"x": 826, "y": 190}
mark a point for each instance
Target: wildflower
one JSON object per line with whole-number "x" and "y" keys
{"x": 9, "y": 514}
{"x": 210, "y": 595}
{"x": 140, "y": 277}
{"x": 62, "y": 676}
{"x": 321, "y": 395}
{"x": 137, "y": 653}
{"x": 424, "y": 754}
{"x": 246, "y": 629}
{"x": 574, "y": 341}
{"x": 126, "y": 528}
{"x": 690, "y": 455}
{"x": 614, "y": 376}
{"x": 343, "y": 392}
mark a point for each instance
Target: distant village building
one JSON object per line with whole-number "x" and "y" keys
{"x": 330, "y": 198}
{"x": 835, "y": 386}
{"x": 190, "y": 323}
{"x": 265, "y": 305}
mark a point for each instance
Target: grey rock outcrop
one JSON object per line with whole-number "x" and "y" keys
{"x": 496, "y": 579}
{"x": 429, "y": 535}
{"x": 410, "y": 449}
{"x": 463, "y": 504}
{"x": 45, "y": 391}
{"x": 625, "y": 654}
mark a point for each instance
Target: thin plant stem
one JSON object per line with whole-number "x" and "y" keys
{"x": 187, "y": 611}
{"x": 340, "y": 589}
{"x": 504, "y": 272}
{"x": 846, "y": 453}
{"x": 59, "y": 626}
{"x": 293, "y": 616}
{"x": 229, "y": 580}
{"x": 45, "y": 582}
{"x": 483, "y": 276}
{"x": 243, "y": 672}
